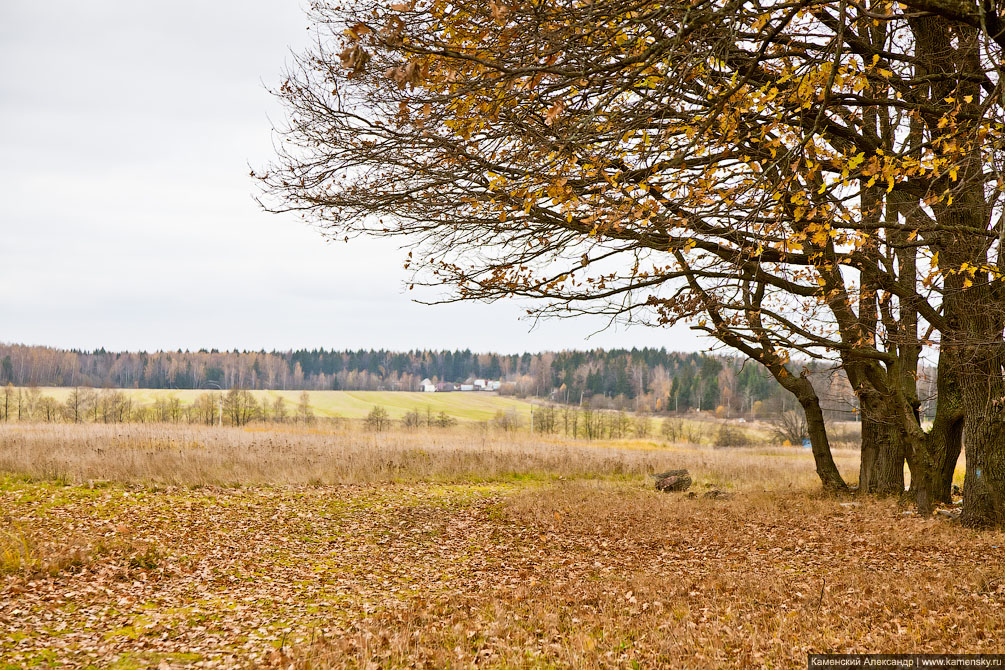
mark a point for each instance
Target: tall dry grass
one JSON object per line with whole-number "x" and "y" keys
{"x": 197, "y": 455}
{"x": 17, "y": 547}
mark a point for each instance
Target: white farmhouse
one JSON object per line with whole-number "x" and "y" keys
{"x": 427, "y": 385}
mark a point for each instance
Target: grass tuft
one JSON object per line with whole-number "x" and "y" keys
{"x": 18, "y": 552}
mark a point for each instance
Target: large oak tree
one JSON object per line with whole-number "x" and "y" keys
{"x": 801, "y": 179}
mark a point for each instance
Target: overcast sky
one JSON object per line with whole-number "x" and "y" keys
{"x": 126, "y": 134}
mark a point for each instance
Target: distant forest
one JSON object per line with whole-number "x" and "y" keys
{"x": 650, "y": 379}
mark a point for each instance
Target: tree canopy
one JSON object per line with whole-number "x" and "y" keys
{"x": 808, "y": 179}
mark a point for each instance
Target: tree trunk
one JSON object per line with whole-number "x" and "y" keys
{"x": 867, "y": 457}
{"x": 984, "y": 484}
{"x": 819, "y": 444}
{"x": 984, "y": 427}
{"x": 881, "y": 465}
{"x": 945, "y": 442}
{"x": 972, "y": 302}
{"x": 797, "y": 385}
{"x": 803, "y": 390}
{"x": 945, "y": 438}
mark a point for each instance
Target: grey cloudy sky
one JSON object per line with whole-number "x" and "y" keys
{"x": 126, "y": 134}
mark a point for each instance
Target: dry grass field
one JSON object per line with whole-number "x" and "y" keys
{"x": 463, "y": 406}
{"x": 168, "y": 547}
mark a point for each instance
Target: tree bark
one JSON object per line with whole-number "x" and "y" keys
{"x": 881, "y": 464}
{"x": 972, "y": 303}
{"x": 881, "y": 467}
{"x": 983, "y": 390}
{"x": 945, "y": 438}
{"x": 819, "y": 444}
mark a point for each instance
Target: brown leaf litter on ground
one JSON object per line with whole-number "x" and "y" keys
{"x": 580, "y": 574}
